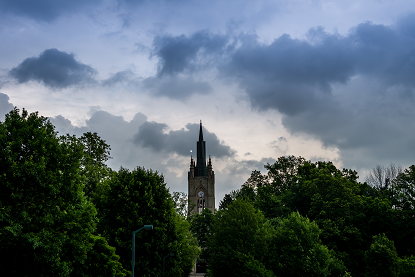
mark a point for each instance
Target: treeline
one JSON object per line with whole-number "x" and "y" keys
{"x": 311, "y": 219}
{"x": 64, "y": 212}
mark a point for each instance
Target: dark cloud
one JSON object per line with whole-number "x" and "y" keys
{"x": 54, "y": 69}
{"x": 290, "y": 74}
{"x": 44, "y": 10}
{"x": 293, "y": 75}
{"x": 181, "y": 57}
{"x": 153, "y": 135}
{"x": 5, "y": 105}
{"x": 183, "y": 54}
{"x": 376, "y": 131}
{"x": 353, "y": 92}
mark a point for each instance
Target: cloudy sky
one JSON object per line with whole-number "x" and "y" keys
{"x": 326, "y": 80}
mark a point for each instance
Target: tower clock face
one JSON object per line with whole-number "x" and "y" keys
{"x": 200, "y": 194}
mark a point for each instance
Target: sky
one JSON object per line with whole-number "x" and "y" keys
{"x": 325, "y": 80}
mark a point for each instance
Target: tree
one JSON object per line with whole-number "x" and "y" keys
{"x": 403, "y": 190}
{"x": 296, "y": 250}
{"x": 247, "y": 192}
{"x": 101, "y": 261}
{"x": 381, "y": 259}
{"x": 181, "y": 201}
{"x": 242, "y": 242}
{"x": 45, "y": 220}
{"x": 237, "y": 241}
{"x": 93, "y": 167}
{"x": 283, "y": 174}
{"x": 402, "y": 197}
{"x": 407, "y": 266}
{"x": 256, "y": 180}
{"x": 201, "y": 227}
{"x": 381, "y": 177}
{"x": 335, "y": 204}
{"x": 271, "y": 205}
{"x": 130, "y": 199}
{"x": 285, "y": 182}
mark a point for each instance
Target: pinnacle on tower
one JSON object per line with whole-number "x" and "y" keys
{"x": 200, "y": 132}
{"x": 201, "y": 169}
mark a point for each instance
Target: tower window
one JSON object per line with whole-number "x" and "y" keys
{"x": 201, "y": 204}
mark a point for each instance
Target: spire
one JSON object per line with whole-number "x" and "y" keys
{"x": 201, "y": 169}
{"x": 200, "y": 132}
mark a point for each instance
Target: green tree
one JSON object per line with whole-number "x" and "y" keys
{"x": 45, "y": 220}
{"x": 181, "y": 201}
{"x": 246, "y": 192}
{"x": 130, "y": 199}
{"x": 402, "y": 192}
{"x": 101, "y": 261}
{"x": 270, "y": 204}
{"x": 381, "y": 259}
{"x": 336, "y": 205}
{"x": 93, "y": 163}
{"x": 407, "y": 266}
{"x": 201, "y": 227}
{"x": 237, "y": 241}
{"x": 285, "y": 179}
{"x": 283, "y": 174}
{"x": 401, "y": 228}
{"x": 296, "y": 250}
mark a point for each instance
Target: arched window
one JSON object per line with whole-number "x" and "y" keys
{"x": 201, "y": 204}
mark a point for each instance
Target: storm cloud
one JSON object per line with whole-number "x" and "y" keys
{"x": 55, "y": 69}
{"x": 289, "y": 74}
{"x": 293, "y": 76}
{"x": 354, "y": 92}
{"x": 152, "y": 135}
{"x": 184, "y": 54}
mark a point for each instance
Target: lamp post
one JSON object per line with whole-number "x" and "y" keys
{"x": 164, "y": 262}
{"x": 146, "y": 227}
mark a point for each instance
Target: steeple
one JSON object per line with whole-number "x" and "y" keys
{"x": 201, "y": 169}
{"x": 200, "y": 132}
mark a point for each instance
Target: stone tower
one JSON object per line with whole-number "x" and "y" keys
{"x": 201, "y": 180}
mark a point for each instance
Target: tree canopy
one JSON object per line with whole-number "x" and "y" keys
{"x": 348, "y": 213}
{"x": 63, "y": 212}
{"x": 45, "y": 220}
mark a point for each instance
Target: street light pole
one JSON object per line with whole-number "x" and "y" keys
{"x": 146, "y": 227}
{"x": 164, "y": 262}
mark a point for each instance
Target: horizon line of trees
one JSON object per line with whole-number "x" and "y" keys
{"x": 312, "y": 219}
{"x": 64, "y": 212}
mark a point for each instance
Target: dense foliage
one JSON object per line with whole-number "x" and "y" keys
{"x": 50, "y": 188}
{"x": 130, "y": 199}
{"x": 46, "y": 223}
{"x": 347, "y": 213}
{"x": 240, "y": 241}
{"x": 64, "y": 212}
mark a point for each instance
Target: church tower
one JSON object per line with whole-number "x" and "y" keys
{"x": 201, "y": 180}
